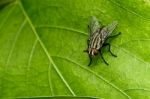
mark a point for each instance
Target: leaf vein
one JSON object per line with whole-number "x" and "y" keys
{"x": 126, "y": 9}
{"x": 100, "y": 77}
{"x": 50, "y": 80}
{"x": 31, "y": 54}
{"x": 61, "y": 27}
{"x": 45, "y": 50}
{"x": 13, "y": 44}
{"x": 126, "y": 51}
{"x": 142, "y": 89}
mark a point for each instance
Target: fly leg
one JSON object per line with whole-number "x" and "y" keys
{"x": 103, "y": 57}
{"x": 90, "y": 60}
{"x": 89, "y": 57}
{"x": 89, "y": 29}
{"x": 107, "y": 44}
{"x": 88, "y": 45}
{"x": 88, "y": 42}
{"x": 85, "y": 51}
{"x": 88, "y": 52}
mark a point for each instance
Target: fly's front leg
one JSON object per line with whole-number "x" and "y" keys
{"x": 89, "y": 57}
{"x": 85, "y": 51}
{"x": 107, "y": 44}
{"x": 89, "y": 29}
{"x": 88, "y": 41}
{"x": 90, "y": 60}
{"x": 87, "y": 45}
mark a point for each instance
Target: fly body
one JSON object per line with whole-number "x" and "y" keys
{"x": 98, "y": 35}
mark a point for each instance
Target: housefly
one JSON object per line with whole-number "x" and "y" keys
{"x": 98, "y": 35}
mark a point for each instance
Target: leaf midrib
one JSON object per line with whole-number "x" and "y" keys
{"x": 45, "y": 50}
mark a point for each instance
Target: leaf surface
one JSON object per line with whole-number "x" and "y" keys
{"x": 42, "y": 43}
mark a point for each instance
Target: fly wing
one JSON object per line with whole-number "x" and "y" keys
{"x": 111, "y": 27}
{"x": 94, "y": 25}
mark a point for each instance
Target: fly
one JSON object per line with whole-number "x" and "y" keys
{"x": 98, "y": 35}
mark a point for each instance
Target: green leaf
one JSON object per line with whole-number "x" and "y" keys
{"x": 42, "y": 43}
{"x": 61, "y": 97}
{"x": 3, "y": 3}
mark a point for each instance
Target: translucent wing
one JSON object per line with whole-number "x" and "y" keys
{"x": 94, "y": 25}
{"x": 111, "y": 27}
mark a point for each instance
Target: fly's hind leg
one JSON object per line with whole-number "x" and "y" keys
{"x": 103, "y": 57}
{"x": 107, "y": 44}
{"x": 114, "y": 35}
